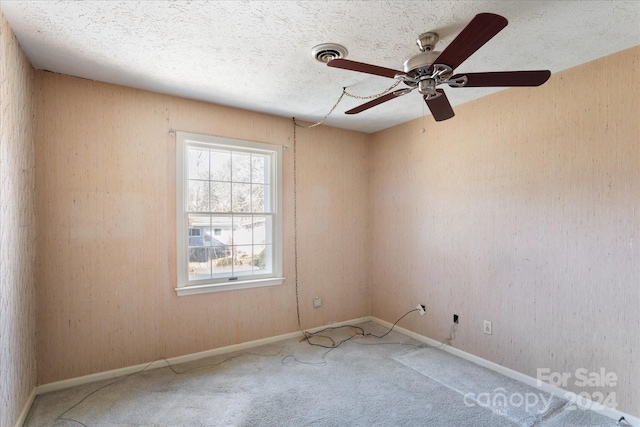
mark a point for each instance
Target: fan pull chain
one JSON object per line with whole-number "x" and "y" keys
{"x": 373, "y": 96}
{"x": 323, "y": 119}
{"x": 344, "y": 92}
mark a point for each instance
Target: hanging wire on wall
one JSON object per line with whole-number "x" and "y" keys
{"x": 295, "y": 217}
{"x": 308, "y": 336}
{"x": 295, "y": 183}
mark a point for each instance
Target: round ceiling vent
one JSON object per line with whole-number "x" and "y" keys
{"x": 328, "y": 51}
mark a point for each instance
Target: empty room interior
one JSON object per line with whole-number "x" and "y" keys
{"x": 513, "y": 206}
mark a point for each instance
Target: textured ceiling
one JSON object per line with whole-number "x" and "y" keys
{"x": 256, "y": 55}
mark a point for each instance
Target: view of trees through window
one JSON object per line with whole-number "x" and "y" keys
{"x": 229, "y": 213}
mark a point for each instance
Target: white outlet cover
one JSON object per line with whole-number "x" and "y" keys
{"x": 487, "y": 327}
{"x": 317, "y": 302}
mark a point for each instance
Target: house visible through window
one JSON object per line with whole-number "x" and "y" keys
{"x": 228, "y": 214}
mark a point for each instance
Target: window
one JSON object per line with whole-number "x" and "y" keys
{"x": 229, "y": 216}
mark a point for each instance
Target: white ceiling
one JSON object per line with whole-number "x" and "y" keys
{"x": 256, "y": 55}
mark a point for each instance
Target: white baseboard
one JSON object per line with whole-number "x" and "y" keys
{"x": 533, "y": 382}
{"x": 26, "y": 408}
{"x": 518, "y": 376}
{"x": 161, "y": 363}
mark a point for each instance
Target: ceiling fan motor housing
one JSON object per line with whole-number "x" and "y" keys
{"x": 426, "y": 42}
{"x": 419, "y": 61}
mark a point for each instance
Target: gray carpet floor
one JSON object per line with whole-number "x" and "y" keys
{"x": 365, "y": 381}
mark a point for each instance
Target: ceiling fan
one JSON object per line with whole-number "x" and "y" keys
{"x": 428, "y": 69}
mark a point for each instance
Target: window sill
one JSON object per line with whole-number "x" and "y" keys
{"x": 219, "y": 287}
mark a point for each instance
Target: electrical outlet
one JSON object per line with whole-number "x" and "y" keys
{"x": 455, "y": 318}
{"x": 317, "y": 302}
{"x": 487, "y": 327}
{"x": 421, "y": 308}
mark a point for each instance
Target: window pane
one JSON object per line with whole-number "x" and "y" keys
{"x": 262, "y": 259}
{"x": 222, "y": 229}
{"x": 257, "y": 198}
{"x": 198, "y": 197}
{"x": 217, "y": 251}
{"x": 259, "y": 230}
{"x": 199, "y": 266}
{"x": 258, "y": 169}
{"x": 198, "y": 161}
{"x": 243, "y": 262}
{"x": 220, "y": 197}
{"x": 241, "y": 197}
{"x": 199, "y": 227}
{"x": 220, "y": 166}
{"x": 259, "y": 259}
{"x": 222, "y": 266}
{"x": 240, "y": 167}
{"x": 242, "y": 230}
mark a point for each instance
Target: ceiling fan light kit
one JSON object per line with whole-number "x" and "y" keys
{"x": 430, "y": 69}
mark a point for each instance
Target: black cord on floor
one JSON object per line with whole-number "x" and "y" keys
{"x": 61, "y": 416}
{"x": 360, "y": 331}
{"x": 208, "y": 365}
{"x": 308, "y": 337}
{"x": 169, "y": 365}
{"x": 394, "y": 325}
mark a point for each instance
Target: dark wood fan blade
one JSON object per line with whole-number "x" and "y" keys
{"x": 346, "y": 64}
{"x": 505, "y": 78}
{"x": 480, "y": 30}
{"x": 377, "y": 101}
{"x": 440, "y": 106}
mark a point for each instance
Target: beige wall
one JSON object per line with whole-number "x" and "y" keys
{"x": 106, "y": 233}
{"x": 17, "y": 229}
{"x": 523, "y": 210}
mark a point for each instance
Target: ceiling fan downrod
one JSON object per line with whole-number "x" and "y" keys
{"x": 427, "y": 41}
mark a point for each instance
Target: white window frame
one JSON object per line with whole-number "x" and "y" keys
{"x": 185, "y": 140}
